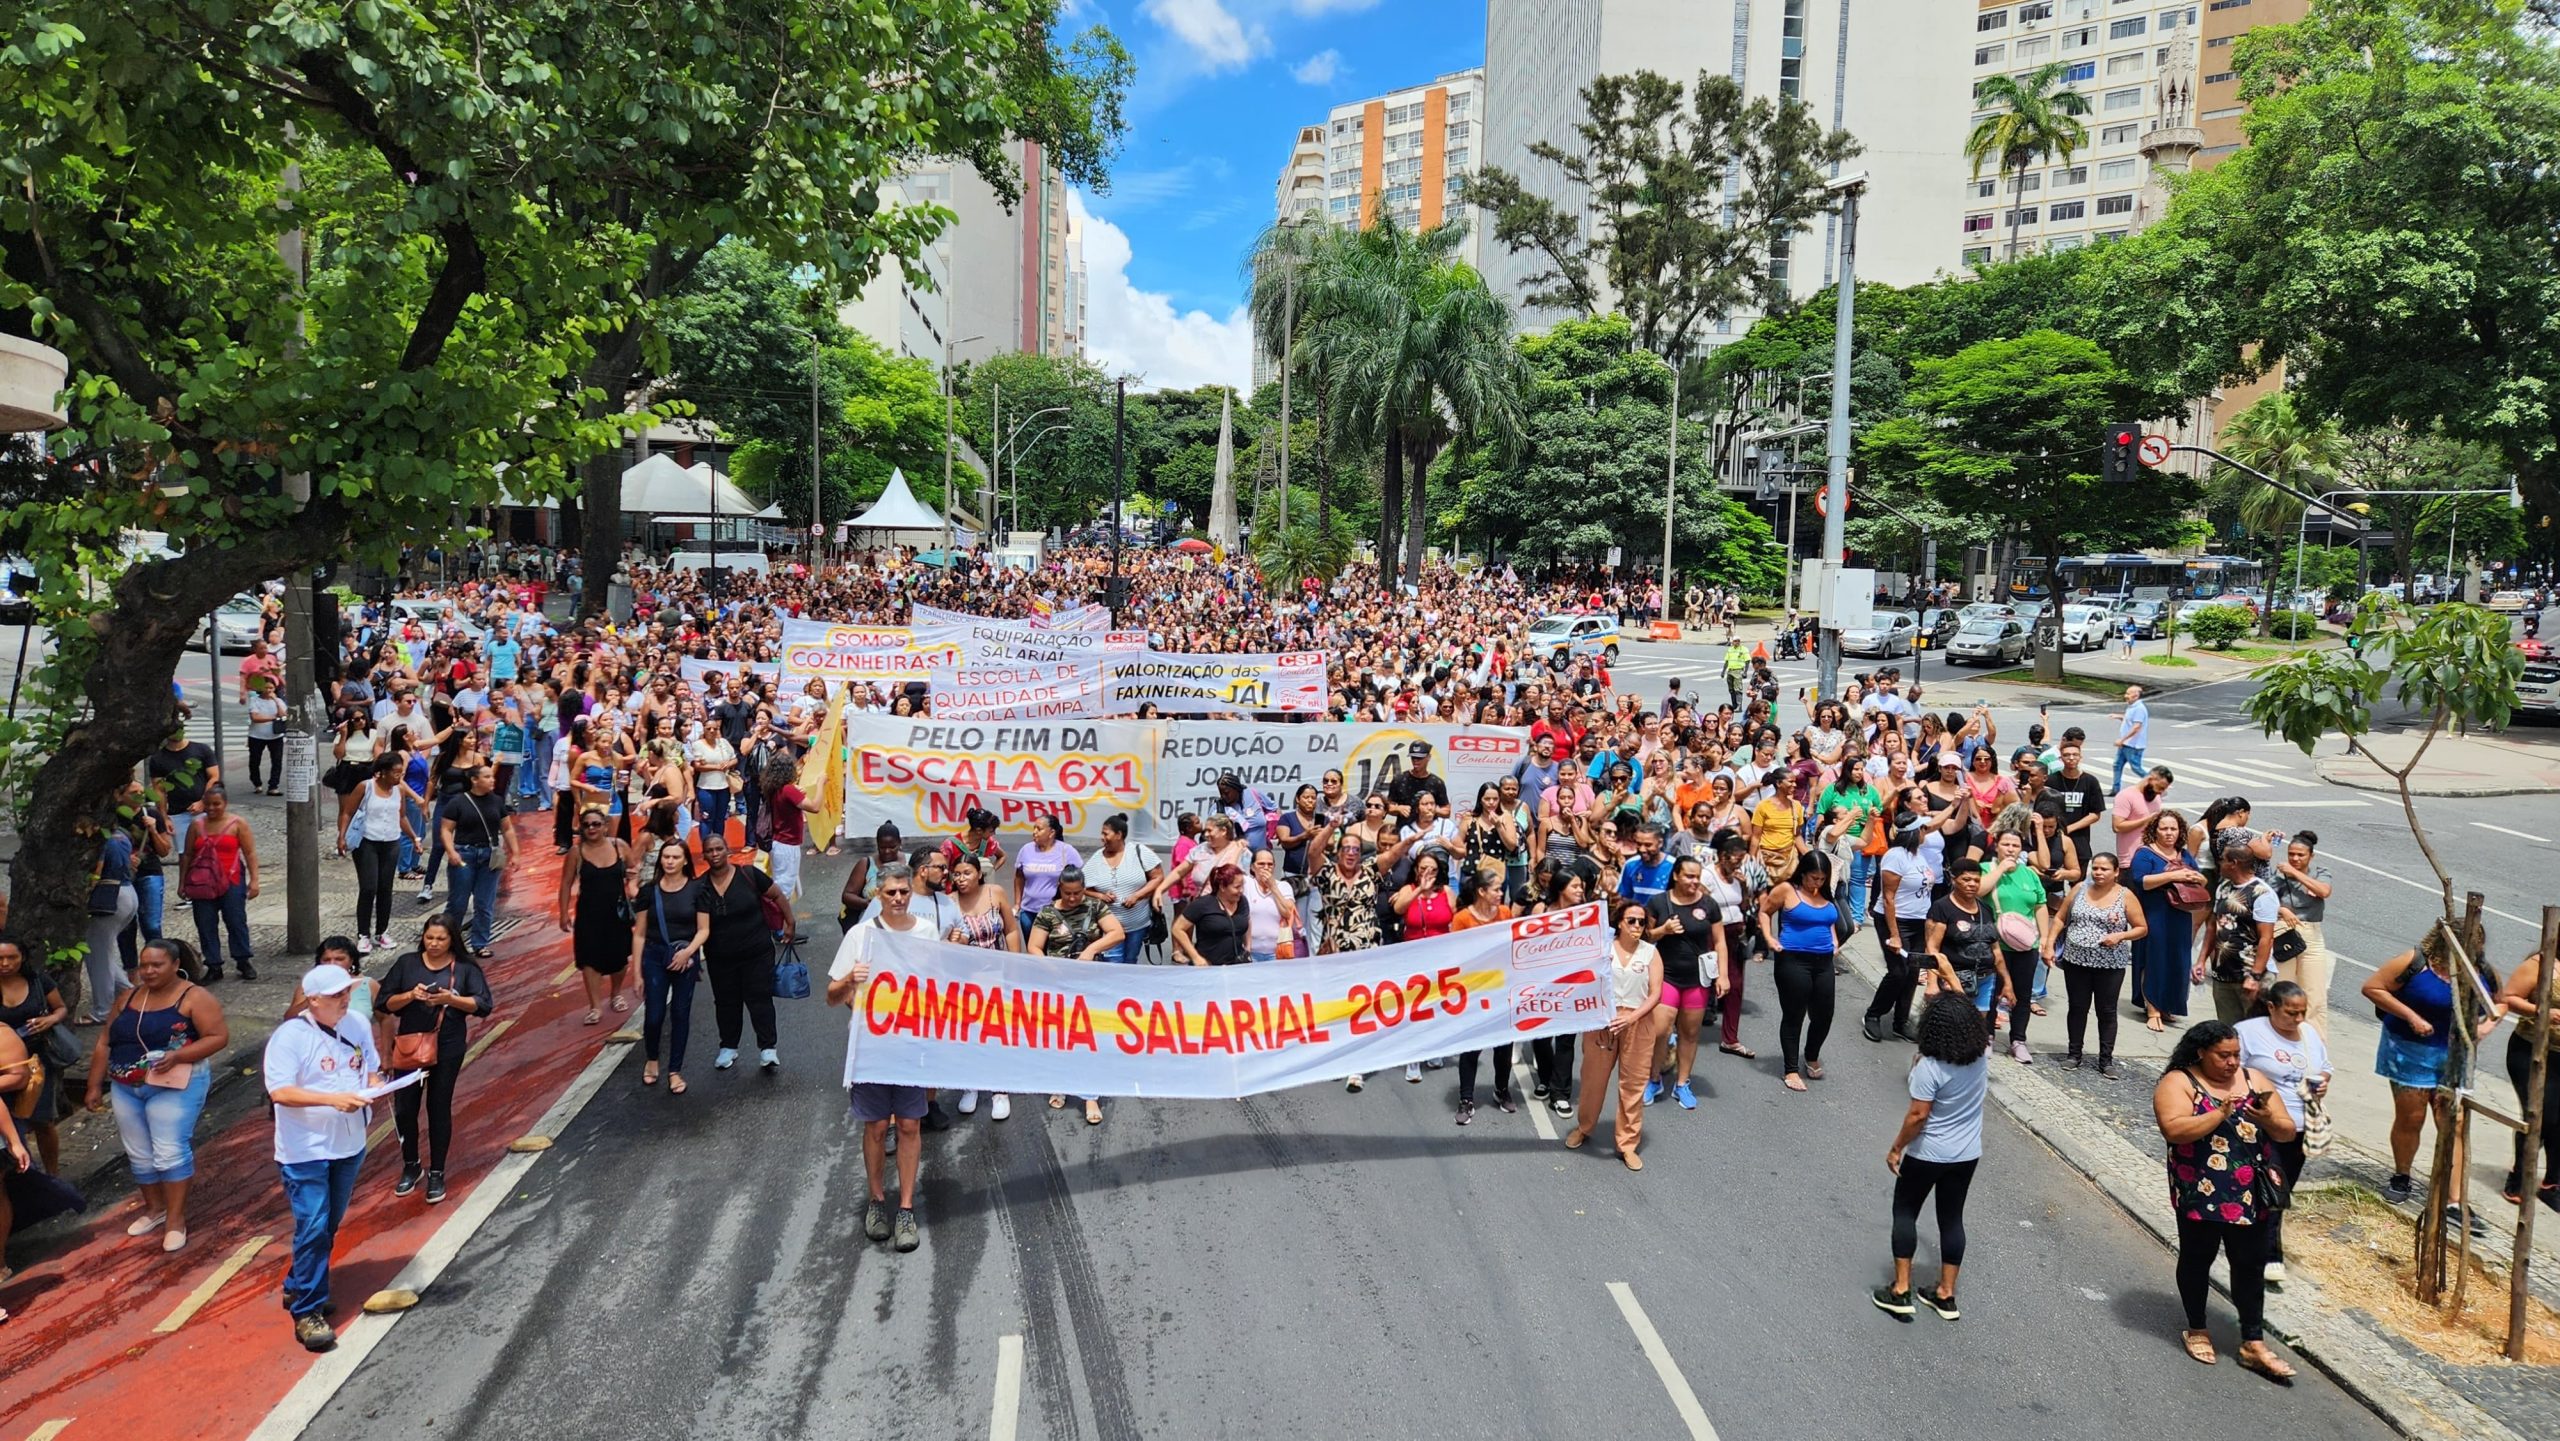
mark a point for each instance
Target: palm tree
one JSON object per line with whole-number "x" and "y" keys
{"x": 2034, "y": 124}
{"x": 2275, "y": 437}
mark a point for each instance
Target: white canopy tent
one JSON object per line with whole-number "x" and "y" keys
{"x": 658, "y": 486}
{"x": 898, "y": 518}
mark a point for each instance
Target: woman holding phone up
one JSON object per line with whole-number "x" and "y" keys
{"x": 432, "y": 993}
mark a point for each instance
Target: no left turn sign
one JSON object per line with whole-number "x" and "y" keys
{"x": 2154, "y": 450}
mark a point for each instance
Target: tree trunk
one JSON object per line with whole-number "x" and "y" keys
{"x": 1417, "y": 510}
{"x": 151, "y": 614}
{"x": 1391, "y": 511}
{"x": 2014, "y": 210}
{"x": 612, "y": 372}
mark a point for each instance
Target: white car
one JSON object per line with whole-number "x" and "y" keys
{"x": 2510, "y": 600}
{"x": 1890, "y": 633}
{"x": 1990, "y": 641}
{"x": 1985, "y": 610}
{"x": 2086, "y": 627}
{"x": 1563, "y": 639}
{"x": 238, "y": 618}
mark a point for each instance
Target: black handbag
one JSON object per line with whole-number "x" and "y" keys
{"x": 2290, "y": 945}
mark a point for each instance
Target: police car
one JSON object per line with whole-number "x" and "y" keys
{"x": 1563, "y": 639}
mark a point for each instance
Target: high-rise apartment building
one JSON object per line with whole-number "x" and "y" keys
{"x": 1891, "y": 74}
{"x": 1004, "y": 280}
{"x": 1301, "y": 192}
{"x": 2218, "y": 107}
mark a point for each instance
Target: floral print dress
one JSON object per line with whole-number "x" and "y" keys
{"x": 2214, "y": 1179}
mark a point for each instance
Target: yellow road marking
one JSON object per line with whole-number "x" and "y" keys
{"x": 52, "y": 1428}
{"x": 205, "y": 1289}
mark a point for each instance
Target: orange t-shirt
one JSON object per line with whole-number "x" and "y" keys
{"x": 1466, "y": 918}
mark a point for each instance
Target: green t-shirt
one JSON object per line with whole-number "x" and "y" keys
{"x": 1860, "y": 801}
{"x": 2019, "y": 893}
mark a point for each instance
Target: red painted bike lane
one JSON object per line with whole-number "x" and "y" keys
{"x": 115, "y": 1339}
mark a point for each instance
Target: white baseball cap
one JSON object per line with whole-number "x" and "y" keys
{"x": 326, "y": 980}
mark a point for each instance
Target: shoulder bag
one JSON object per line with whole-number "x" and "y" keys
{"x": 417, "y": 1050}
{"x": 791, "y": 974}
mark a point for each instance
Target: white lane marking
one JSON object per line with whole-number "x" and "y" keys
{"x": 2347, "y": 960}
{"x": 1537, "y": 1108}
{"x": 2294, "y": 805}
{"x": 1008, "y": 1408}
{"x": 2423, "y": 886}
{"x": 52, "y": 1428}
{"x": 2230, "y": 772}
{"x": 1683, "y": 1400}
{"x": 303, "y": 1404}
{"x": 2519, "y": 835}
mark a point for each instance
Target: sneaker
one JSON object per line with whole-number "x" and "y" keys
{"x": 1653, "y": 1090}
{"x": 1001, "y": 1106}
{"x": 1466, "y": 1113}
{"x": 2019, "y": 1053}
{"x": 728, "y": 1057}
{"x": 1354, "y": 1083}
{"x": 435, "y": 1187}
{"x": 2071, "y": 1060}
{"x": 382, "y": 942}
{"x": 875, "y": 1217}
{"x": 1563, "y": 1107}
{"x": 409, "y": 1178}
{"x": 2399, "y": 1187}
{"x": 312, "y": 1330}
{"x": 1945, "y": 1306}
{"x": 1873, "y": 1029}
{"x": 769, "y": 1059}
{"x": 907, "y": 1237}
{"x": 364, "y": 945}
{"x": 968, "y": 1103}
{"x": 2275, "y": 1273}
{"x": 1896, "y": 1304}
{"x": 426, "y": 895}
{"x": 1435, "y": 1063}
{"x": 1537, "y": 1087}
{"x": 1687, "y": 1098}
{"x": 247, "y": 971}
{"x": 1413, "y": 1073}
{"x": 2107, "y": 1068}
{"x": 2453, "y": 1220}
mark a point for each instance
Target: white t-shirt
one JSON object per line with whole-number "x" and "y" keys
{"x": 377, "y": 815}
{"x": 304, "y": 1053}
{"x": 852, "y": 951}
{"x": 1120, "y": 879}
{"x": 2286, "y": 1063}
{"x": 1912, "y": 876}
{"x": 712, "y": 752}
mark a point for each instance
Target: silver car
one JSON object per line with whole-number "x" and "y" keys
{"x": 1990, "y": 641}
{"x": 1890, "y": 633}
{"x": 238, "y": 618}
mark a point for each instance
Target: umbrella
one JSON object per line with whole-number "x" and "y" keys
{"x": 1193, "y": 546}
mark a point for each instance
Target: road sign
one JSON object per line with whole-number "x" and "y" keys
{"x": 817, "y": 530}
{"x": 1822, "y": 502}
{"x": 2154, "y": 450}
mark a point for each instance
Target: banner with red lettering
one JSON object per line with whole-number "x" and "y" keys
{"x": 934, "y": 1014}
{"x": 927, "y": 775}
{"x": 1219, "y": 684}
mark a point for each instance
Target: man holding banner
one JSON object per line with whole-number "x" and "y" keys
{"x": 879, "y": 1105}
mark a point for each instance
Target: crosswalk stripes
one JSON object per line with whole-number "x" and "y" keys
{"x": 2222, "y": 770}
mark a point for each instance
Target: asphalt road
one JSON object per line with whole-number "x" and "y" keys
{"x": 1304, "y": 1263}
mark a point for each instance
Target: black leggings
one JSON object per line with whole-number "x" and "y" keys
{"x": 1912, "y": 1185}
{"x": 2089, "y": 986}
{"x": 2290, "y": 1159}
{"x": 1501, "y": 1072}
{"x": 377, "y": 871}
{"x": 2520, "y": 1071}
{"x": 437, "y": 1091}
{"x": 1901, "y": 973}
{"x": 271, "y": 750}
{"x": 1552, "y": 1058}
{"x": 740, "y": 990}
{"x": 564, "y": 817}
{"x": 2021, "y": 966}
{"x": 1804, "y": 1005}
{"x": 2247, "y": 1248}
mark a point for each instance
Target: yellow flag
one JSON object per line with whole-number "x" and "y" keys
{"x": 826, "y": 800}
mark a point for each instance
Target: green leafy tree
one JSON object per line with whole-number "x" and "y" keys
{"x": 1057, "y": 422}
{"x": 2389, "y": 458}
{"x": 484, "y": 208}
{"x": 2005, "y": 427}
{"x": 1587, "y": 473}
{"x": 2273, "y": 436}
{"x": 1652, "y": 229}
{"x": 2037, "y": 121}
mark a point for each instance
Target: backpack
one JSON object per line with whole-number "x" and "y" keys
{"x": 205, "y": 877}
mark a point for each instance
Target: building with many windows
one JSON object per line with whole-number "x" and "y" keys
{"x": 997, "y": 281}
{"x": 1893, "y": 75}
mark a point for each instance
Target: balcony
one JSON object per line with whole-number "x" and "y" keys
{"x": 30, "y": 377}
{"x": 2181, "y": 141}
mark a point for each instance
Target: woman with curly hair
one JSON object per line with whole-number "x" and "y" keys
{"x": 2223, "y": 1122}
{"x": 1937, "y": 1149}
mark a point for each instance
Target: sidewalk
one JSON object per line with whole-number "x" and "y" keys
{"x": 2105, "y": 1129}
{"x": 2516, "y": 763}
{"x": 106, "y": 1329}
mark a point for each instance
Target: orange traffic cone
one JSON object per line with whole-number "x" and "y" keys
{"x": 1760, "y": 650}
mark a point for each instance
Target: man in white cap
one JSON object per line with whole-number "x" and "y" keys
{"x": 316, "y": 1068}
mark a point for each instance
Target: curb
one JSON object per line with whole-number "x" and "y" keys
{"x": 2348, "y": 1350}
{"x": 2338, "y": 772}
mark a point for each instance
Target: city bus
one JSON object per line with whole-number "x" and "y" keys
{"x": 2147, "y": 576}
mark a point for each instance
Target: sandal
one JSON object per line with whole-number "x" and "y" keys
{"x": 594, "y": 1016}
{"x": 2262, "y": 1358}
{"x": 622, "y": 1004}
{"x": 2199, "y": 1346}
{"x": 2038, "y": 1008}
{"x": 1093, "y": 1113}
{"x": 2156, "y": 1024}
{"x": 1745, "y": 1052}
{"x": 1057, "y": 1103}
{"x": 1813, "y": 1070}
{"x": 649, "y": 1074}
{"x": 1794, "y": 1082}
{"x": 675, "y": 1083}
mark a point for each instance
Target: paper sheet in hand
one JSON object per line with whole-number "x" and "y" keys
{"x": 398, "y": 1082}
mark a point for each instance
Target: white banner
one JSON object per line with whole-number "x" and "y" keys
{"x": 1083, "y": 617}
{"x": 934, "y": 1014}
{"x": 841, "y": 654}
{"x": 927, "y": 775}
{"x": 1277, "y": 759}
{"x": 1212, "y": 684}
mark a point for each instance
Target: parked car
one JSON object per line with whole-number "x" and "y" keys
{"x": 1985, "y": 610}
{"x": 239, "y": 619}
{"x": 1563, "y": 639}
{"x": 1937, "y": 626}
{"x": 2538, "y": 689}
{"x": 1991, "y": 640}
{"x": 2510, "y": 601}
{"x": 1890, "y": 633}
{"x": 2086, "y": 627}
{"x": 2244, "y": 599}
{"x": 2144, "y": 619}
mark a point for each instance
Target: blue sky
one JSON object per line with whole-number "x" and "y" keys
{"x": 1222, "y": 86}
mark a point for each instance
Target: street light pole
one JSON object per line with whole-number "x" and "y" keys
{"x": 817, "y": 510}
{"x": 1119, "y": 489}
{"x": 1671, "y": 483}
{"x": 1835, "y": 517}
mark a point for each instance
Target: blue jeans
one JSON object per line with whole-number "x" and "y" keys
{"x": 317, "y": 1192}
{"x": 150, "y": 893}
{"x": 666, "y": 1002}
{"x": 1130, "y": 948}
{"x": 715, "y": 811}
{"x": 535, "y": 779}
{"x": 1862, "y": 875}
{"x": 408, "y": 848}
{"x": 231, "y": 909}
{"x": 2127, "y": 756}
{"x": 475, "y": 893}
{"x": 158, "y": 1125}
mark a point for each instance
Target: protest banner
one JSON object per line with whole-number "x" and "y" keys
{"x": 841, "y": 654}
{"x": 934, "y": 1014}
{"x": 1277, "y": 759}
{"x": 1213, "y": 684}
{"x": 927, "y": 775}
{"x": 1082, "y": 617}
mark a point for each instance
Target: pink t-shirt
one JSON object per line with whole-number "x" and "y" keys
{"x": 2136, "y": 804}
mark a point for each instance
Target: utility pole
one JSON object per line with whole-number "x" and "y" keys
{"x": 1835, "y": 516}
{"x": 1671, "y": 483}
{"x": 995, "y": 462}
{"x": 305, "y": 717}
{"x": 817, "y": 518}
{"x": 1119, "y": 489}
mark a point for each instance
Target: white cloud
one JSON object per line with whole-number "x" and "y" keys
{"x": 1317, "y": 69}
{"x": 1325, "y": 7}
{"x": 1215, "y": 35}
{"x": 1139, "y": 331}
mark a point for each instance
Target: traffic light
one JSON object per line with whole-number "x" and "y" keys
{"x": 2119, "y": 465}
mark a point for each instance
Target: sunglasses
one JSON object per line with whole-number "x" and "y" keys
{"x": 896, "y": 895}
